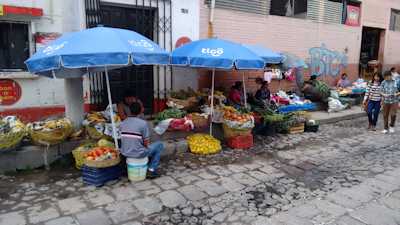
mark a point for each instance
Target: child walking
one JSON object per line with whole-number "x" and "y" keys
{"x": 372, "y": 101}
{"x": 390, "y": 94}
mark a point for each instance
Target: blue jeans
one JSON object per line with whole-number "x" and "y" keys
{"x": 374, "y": 107}
{"x": 154, "y": 153}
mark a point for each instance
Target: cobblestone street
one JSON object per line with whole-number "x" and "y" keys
{"x": 342, "y": 175}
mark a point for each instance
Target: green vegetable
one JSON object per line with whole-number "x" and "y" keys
{"x": 170, "y": 113}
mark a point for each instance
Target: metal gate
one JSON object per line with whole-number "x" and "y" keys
{"x": 151, "y": 18}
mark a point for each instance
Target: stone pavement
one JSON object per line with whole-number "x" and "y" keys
{"x": 342, "y": 175}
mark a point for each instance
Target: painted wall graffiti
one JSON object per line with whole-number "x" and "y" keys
{"x": 326, "y": 62}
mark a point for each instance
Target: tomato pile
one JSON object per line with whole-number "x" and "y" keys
{"x": 101, "y": 153}
{"x": 232, "y": 114}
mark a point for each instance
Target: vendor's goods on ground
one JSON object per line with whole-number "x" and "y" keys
{"x": 171, "y": 113}
{"x": 12, "y": 131}
{"x": 100, "y": 176}
{"x": 50, "y": 132}
{"x": 98, "y": 125}
{"x": 183, "y": 99}
{"x": 240, "y": 142}
{"x": 203, "y": 144}
{"x": 80, "y": 153}
{"x": 101, "y": 157}
{"x": 200, "y": 121}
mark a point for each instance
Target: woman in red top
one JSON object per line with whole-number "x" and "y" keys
{"x": 236, "y": 94}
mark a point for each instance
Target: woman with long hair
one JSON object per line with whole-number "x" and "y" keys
{"x": 372, "y": 100}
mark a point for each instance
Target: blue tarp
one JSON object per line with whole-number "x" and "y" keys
{"x": 294, "y": 108}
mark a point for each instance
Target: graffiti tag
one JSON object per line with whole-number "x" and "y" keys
{"x": 326, "y": 62}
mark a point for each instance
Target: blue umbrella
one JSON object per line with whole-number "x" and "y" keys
{"x": 96, "y": 50}
{"x": 269, "y": 56}
{"x": 92, "y": 50}
{"x": 216, "y": 54}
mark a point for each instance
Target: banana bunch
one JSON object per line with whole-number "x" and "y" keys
{"x": 96, "y": 117}
{"x": 203, "y": 144}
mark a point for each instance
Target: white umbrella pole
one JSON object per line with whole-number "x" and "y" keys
{"x": 244, "y": 91}
{"x": 114, "y": 129}
{"x": 212, "y": 100}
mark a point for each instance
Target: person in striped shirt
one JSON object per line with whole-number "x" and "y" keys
{"x": 135, "y": 140}
{"x": 372, "y": 101}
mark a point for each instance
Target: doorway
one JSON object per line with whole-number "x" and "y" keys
{"x": 137, "y": 80}
{"x": 371, "y": 50}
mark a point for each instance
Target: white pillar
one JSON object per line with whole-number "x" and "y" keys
{"x": 74, "y": 109}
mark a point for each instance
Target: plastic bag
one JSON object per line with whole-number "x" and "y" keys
{"x": 238, "y": 125}
{"x": 162, "y": 126}
{"x": 184, "y": 124}
{"x": 335, "y": 105}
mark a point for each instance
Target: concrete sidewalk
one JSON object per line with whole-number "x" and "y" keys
{"x": 324, "y": 117}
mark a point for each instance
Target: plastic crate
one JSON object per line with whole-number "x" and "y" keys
{"x": 99, "y": 176}
{"x": 240, "y": 142}
{"x": 311, "y": 128}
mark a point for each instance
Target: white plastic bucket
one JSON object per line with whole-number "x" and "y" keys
{"x": 137, "y": 168}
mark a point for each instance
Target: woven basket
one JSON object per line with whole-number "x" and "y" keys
{"x": 55, "y": 136}
{"x": 199, "y": 122}
{"x": 104, "y": 163}
{"x": 231, "y": 132}
{"x": 11, "y": 140}
{"x": 79, "y": 155}
{"x": 186, "y": 103}
{"x": 298, "y": 129}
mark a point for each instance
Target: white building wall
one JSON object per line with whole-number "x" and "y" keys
{"x": 185, "y": 25}
{"x": 58, "y": 17}
{"x": 69, "y": 16}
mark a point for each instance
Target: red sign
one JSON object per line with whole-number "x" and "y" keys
{"x": 22, "y": 11}
{"x": 10, "y": 92}
{"x": 353, "y": 15}
{"x": 181, "y": 41}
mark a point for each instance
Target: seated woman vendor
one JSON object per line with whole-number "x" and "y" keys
{"x": 263, "y": 95}
{"x": 235, "y": 97}
{"x": 124, "y": 106}
{"x": 344, "y": 81}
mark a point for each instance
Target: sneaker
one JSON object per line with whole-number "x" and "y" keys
{"x": 152, "y": 174}
{"x": 373, "y": 128}
{"x": 391, "y": 130}
{"x": 384, "y": 131}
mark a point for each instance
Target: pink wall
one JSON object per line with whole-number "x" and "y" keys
{"x": 297, "y": 36}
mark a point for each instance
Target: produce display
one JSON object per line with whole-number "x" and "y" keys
{"x": 50, "y": 132}
{"x": 237, "y": 119}
{"x": 172, "y": 113}
{"x": 203, "y": 144}
{"x": 102, "y": 157}
{"x": 101, "y": 154}
{"x": 98, "y": 124}
{"x": 270, "y": 116}
{"x": 12, "y": 131}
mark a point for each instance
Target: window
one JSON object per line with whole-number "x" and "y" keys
{"x": 395, "y": 20}
{"x": 290, "y": 8}
{"x": 248, "y": 6}
{"x": 14, "y": 46}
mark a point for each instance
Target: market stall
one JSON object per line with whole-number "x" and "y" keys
{"x": 216, "y": 54}
{"x": 97, "y": 49}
